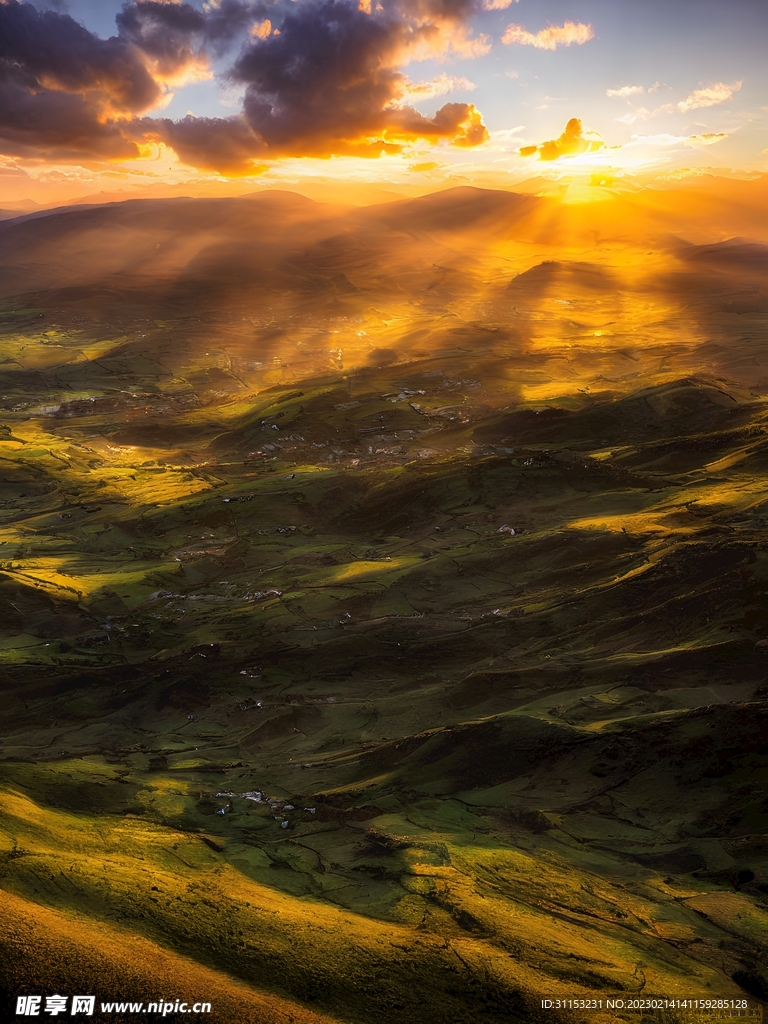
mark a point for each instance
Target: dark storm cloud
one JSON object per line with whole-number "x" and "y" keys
{"x": 224, "y": 144}
{"x": 177, "y": 34}
{"x": 328, "y": 82}
{"x": 51, "y": 51}
{"x": 61, "y": 87}
{"x": 57, "y": 126}
{"x": 63, "y": 90}
{"x": 323, "y": 80}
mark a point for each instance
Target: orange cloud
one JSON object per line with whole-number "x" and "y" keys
{"x": 326, "y": 81}
{"x": 571, "y": 143}
{"x": 551, "y": 37}
{"x": 63, "y": 90}
{"x": 330, "y": 84}
{"x": 231, "y": 145}
{"x": 709, "y": 96}
{"x": 262, "y": 29}
{"x": 709, "y": 138}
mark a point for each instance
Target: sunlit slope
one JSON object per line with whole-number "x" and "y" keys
{"x": 273, "y": 287}
{"x": 438, "y": 907}
{"x": 445, "y": 538}
{"x": 339, "y": 498}
{"x": 364, "y": 636}
{"x": 43, "y": 950}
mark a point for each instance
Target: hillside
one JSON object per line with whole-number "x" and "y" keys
{"x": 382, "y": 608}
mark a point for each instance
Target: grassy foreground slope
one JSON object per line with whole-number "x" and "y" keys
{"x": 444, "y": 581}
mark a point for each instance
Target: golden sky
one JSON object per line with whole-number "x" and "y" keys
{"x": 360, "y": 99}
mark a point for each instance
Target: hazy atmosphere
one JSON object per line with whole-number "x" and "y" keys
{"x": 383, "y": 509}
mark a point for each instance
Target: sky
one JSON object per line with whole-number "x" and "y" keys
{"x": 227, "y": 96}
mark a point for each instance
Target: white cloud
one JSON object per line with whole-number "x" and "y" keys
{"x": 462, "y": 46}
{"x": 665, "y": 139}
{"x": 507, "y": 134}
{"x": 437, "y": 86}
{"x": 627, "y": 119}
{"x": 551, "y": 37}
{"x": 625, "y": 90}
{"x": 708, "y": 96}
{"x": 644, "y": 113}
{"x": 231, "y": 95}
{"x": 498, "y": 5}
